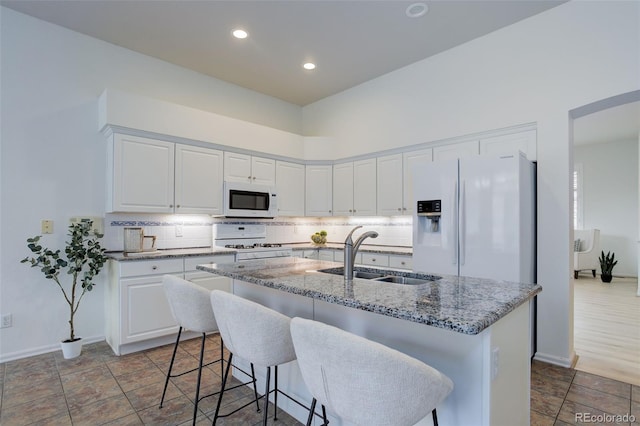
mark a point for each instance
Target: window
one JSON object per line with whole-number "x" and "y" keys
{"x": 577, "y": 197}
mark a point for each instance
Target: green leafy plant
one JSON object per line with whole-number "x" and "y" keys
{"x": 84, "y": 260}
{"x": 607, "y": 262}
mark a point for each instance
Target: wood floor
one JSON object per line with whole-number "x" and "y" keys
{"x": 607, "y": 328}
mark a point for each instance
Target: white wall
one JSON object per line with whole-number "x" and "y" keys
{"x": 610, "y": 198}
{"x": 53, "y": 158}
{"x": 534, "y": 71}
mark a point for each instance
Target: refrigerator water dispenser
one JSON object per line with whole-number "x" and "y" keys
{"x": 429, "y": 211}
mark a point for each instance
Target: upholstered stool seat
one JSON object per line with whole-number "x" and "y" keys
{"x": 364, "y": 382}
{"x": 255, "y": 333}
{"x": 191, "y": 308}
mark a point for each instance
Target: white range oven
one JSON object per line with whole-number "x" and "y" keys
{"x": 249, "y": 241}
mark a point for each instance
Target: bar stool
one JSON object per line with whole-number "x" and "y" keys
{"x": 257, "y": 334}
{"x": 191, "y": 308}
{"x": 362, "y": 381}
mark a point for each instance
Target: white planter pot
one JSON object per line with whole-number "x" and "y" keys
{"x": 71, "y": 349}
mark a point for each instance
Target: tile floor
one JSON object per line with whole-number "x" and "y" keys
{"x": 101, "y": 388}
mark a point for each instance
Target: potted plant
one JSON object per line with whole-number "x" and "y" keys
{"x": 84, "y": 260}
{"x": 606, "y": 266}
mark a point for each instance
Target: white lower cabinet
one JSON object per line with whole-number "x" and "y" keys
{"x": 375, "y": 259}
{"x": 400, "y": 262}
{"x": 326, "y": 255}
{"x": 138, "y": 312}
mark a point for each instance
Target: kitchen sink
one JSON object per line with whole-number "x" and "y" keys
{"x": 376, "y": 276}
{"x": 397, "y": 279}
{"x": 356, "y": 274}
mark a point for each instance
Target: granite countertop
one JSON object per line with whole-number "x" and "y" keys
{"x": 461, "y": 304}
{"x": 209, "y": 251}
{"x": 169, "y": 253}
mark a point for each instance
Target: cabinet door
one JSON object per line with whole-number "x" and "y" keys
{"x": 143, "y": 177}
{"x": 145, "y": 310}
{"x": 326, "y": 255}
{"x": 198, "y": 186}
{"x": 410, "y": 161}
{"x": 364, "y": 187}
{"x": 290, "y": 188}
{"x": 389, "y": 178}
{"x": 510, "y": 144}
{"x": 375, "y": 259}
{"x": 318, "y": 190}
{"x": 343, "y": 189}
{"x": 237, "y": 167}
{"x": 455, "y": 150}
{"x": 263, "y": 171}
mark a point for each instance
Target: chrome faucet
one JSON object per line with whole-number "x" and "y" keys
{"x": 350, "y": 250}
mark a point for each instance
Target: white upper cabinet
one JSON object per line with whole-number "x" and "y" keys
{"x": 153, "y": 176}
{"x": 249, "y": 169}
{"x": 343, "y": 189}
{"x": 141, "y": 175}
{"x": 412, "y": 160}
{"x": 364, "y": 187}
{"x": 290, "y": 188}
{"x": 354, "y": 188}
{"x": 318, "y": 190}
{"x": 511, "y": 144}
{"x": 456, "y": 150}
{"x": 198, "y": 180}
{"x": 390, "y": 192}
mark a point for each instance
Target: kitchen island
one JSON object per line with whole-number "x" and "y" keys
{"x": 476, "y": 331}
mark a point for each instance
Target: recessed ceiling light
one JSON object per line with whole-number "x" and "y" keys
{"x": 416, "y": 10}
{"x": 309, "y": 66}
{"x": 240, "y": 33}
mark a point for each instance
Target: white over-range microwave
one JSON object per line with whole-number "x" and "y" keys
{"x": 249, "y": 200}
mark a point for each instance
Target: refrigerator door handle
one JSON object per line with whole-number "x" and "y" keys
{"x": 454, "y": 224}
{"x": 462, "y": 220}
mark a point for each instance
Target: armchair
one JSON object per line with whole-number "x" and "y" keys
{"x": 586, "y": 255}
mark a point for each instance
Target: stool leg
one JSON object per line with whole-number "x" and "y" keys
{"x": 195, "y": 405}
{"x": 311, "y": 410}
{"x": 325, "y": 422}
{"x": 221, "y": 357}
{"x": 173, "y": 357}
{"x": 435, "y": 417}
{"x": 266, "y": 398}
{"x": 255, "y": 388}
{"x": 275, "y": 396}
{"x": 224, "y": 382}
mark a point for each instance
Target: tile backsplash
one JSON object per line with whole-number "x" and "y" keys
{"x": 182, "y": 231}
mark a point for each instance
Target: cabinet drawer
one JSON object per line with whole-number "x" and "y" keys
{"x": 151, "y": 267}
{"x": 326, "y": 255}
{"x": 375, "y": 259}
{"x": 338, "y": 256}
{"x": 190, "y": 263}
{"x": 401, "y": 262}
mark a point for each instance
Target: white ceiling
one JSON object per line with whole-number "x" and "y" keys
{"x": 351, "y": 41}
{"x": 621, "y": 123}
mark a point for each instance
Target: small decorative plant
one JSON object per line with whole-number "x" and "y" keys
{"x": 319, "y": 237}
{"x": 84, "y": 260}
{"x": 606, "y": 266}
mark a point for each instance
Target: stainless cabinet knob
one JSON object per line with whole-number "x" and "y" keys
{"x": 178, "y": 206}
{"x": 154, "y": 267}
{"x": 399, "y": 209}
{"x": 254, "y": 178}
{"x": 171, "y": 205}
{"x": 402, "y": 263}
{"x": 329, "y": 211}
{"x": 373, "y": 260}
{"x": 404, "y": 208}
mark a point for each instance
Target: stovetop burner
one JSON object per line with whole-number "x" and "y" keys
{"x": 252, "y": 246}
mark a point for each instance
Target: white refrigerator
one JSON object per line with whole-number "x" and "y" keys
{"x": 485, "y": 226}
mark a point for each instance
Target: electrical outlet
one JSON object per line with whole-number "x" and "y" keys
{"x": 47, "y": 227}
{"x": 178, "y": 230}
{"x": 495, "y": 362}
{"x": 7, "y": 321}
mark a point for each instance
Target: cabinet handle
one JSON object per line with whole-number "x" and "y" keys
{"x": 373, "y": 260}
{"x": 178, "y": 206}
{"x": 403, "y": 263}
{"x": 350, "y": 210}
{"x": 354, "y": 210}
{"x": 399, "y": 209}
{"x": 329, "y": 211}
{"x": 254, "y": 178}
{"x": 404, "y": 208}
{"x": 154, "y": 267}
{"x": 249, "y": 177}
{"x": 171, "y": 205}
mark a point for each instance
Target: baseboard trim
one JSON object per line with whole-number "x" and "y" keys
{"x": 12, "y": 356}
{"x": 556, "y": 360}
